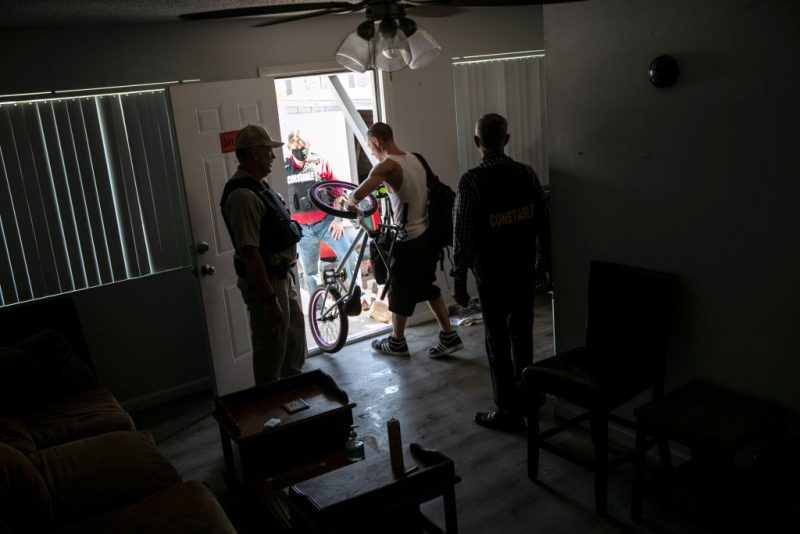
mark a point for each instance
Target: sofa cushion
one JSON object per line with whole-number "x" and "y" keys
{"x": 25, "y": 501}
{"x": 188, "y": 507}
{"x": 21, "y": 321}
{"x": 14, "y": 432}
{"x": 79, "y": 415}
{"x": 101, "y": 473}
{"x": 41, "y": 367}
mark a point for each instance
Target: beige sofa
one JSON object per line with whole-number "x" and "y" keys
{"x": 71, "y": 459}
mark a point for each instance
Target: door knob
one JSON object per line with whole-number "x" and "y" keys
{"x": 202, "y": 247}
{"x": 207, "y": 270}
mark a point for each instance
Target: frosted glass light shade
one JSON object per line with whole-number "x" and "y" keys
{"x": 353, "y": 53}
{"x": 424, "y": 48}
{"x": 392, "y": 52}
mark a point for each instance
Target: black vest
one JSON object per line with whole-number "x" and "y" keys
{"x": 278, "y": 231}
{"x": 508, "y": 217}
{"x": 300, "y": 181}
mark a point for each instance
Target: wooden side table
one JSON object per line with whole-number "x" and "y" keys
{"x": 370, "y": 493}
{"x": 323, "y": 426}
{"x": 713, "y": 422}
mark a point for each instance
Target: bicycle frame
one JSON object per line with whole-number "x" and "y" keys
{"x": 334, "y": 298}
{"x": 336, "y": 276}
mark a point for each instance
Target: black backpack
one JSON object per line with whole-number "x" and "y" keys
{"x": 441, "y": 199}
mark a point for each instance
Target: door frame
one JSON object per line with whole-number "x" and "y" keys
{"x": 382, "y": 93}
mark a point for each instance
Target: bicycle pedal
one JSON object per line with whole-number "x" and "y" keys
{"x": 328, "y": 276}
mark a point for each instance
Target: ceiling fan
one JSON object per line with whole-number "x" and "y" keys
{"x": 387, "y": 40}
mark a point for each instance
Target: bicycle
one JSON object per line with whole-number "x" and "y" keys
{"x": 328, "y": 304}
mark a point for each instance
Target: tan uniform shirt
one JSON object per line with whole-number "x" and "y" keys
{"x": 244, "y": 210}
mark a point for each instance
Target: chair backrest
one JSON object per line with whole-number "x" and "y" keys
{"x": 628, "y": 314}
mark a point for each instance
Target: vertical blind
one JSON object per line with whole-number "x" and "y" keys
{"x": 90, "y": 193}
{"x": 512, "y": 87}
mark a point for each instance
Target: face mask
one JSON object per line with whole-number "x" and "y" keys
{"x": 300, "y": 154}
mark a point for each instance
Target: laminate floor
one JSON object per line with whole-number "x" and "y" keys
{"x": 435, "y": 402}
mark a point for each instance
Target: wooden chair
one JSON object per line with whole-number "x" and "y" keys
{"x": 624, "y": 355}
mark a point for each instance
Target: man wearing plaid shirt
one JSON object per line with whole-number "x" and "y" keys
{"x": 499, "y": 213}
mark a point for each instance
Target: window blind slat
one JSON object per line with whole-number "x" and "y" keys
{"x": 137, "y": 180}
{"x": 113, "y": 132}
{"x": 8, "y": 284}
{"x": 104, "y": 163}
{"x": 73, "y": 143}
{"x": 172, "y": 212}
{"x": 40, "y": 200}
{"x": 8, "y": 289}
{"x": 70, "y": 192}
{"x": 13, "y": 240}
{"x": 55, "y": 197}
{"x": 153, "y": 183}
{"x": 23, "y": 180}
{"x": 99, "y": 270}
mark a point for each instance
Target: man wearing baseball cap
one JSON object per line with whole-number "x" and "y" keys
{"x": 265, "y": 239}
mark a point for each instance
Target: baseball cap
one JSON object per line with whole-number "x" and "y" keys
{"x": 252, "y": 135}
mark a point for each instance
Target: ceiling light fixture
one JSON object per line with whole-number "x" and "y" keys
{"x": 387, "y": 41}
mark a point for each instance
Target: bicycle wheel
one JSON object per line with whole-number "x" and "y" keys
{"x": 328, "y": 319}
{"x": 325, "y": 193}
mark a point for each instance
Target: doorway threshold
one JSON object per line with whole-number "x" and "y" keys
{"x": 361, "y": 336}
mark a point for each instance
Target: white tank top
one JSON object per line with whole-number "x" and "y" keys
{"x": 414, "y": 191}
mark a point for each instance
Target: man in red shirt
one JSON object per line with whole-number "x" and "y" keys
{"x": 304, "y": 169}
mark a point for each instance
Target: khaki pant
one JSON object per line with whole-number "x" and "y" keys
{"x": 279, "y": 350}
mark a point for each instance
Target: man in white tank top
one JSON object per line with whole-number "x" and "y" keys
{"x": 413, "y": 263}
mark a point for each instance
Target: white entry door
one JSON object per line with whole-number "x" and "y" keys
{"x": 202, "y": 112}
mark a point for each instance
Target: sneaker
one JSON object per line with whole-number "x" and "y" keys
{"x": 390, "y": 346}
{"x": 448, "y": 343}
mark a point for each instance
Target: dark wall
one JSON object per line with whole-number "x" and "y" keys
{"x": 147, "y": 336}
{"x": 700, "y": 179}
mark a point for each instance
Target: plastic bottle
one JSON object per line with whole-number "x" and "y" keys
{"x": 395, "y": 445}
{"x": 354, "y": 447}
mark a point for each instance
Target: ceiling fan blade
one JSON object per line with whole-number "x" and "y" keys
{"x": 432, "y": 10}
{"x": 447, "y": 8}
{"x": 352, "y": 8}
{"x": 261, "y": 11}
{"x": 485, "y": 3}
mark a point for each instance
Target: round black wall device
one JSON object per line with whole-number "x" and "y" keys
{"x": 663, "y": 71}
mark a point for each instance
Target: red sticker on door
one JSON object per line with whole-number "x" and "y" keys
{"x": 227, "y": 141}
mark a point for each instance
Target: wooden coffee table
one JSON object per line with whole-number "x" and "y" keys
{"x": 368, "y": 496}
{"x": 297, "y": 472}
